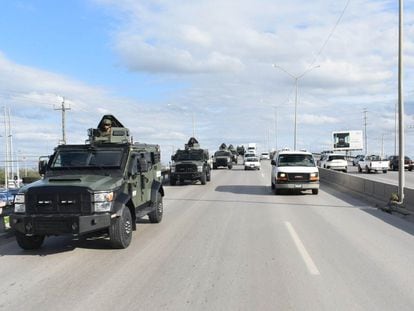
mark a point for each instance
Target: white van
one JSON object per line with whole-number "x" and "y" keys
{"x": 294, "y": 170}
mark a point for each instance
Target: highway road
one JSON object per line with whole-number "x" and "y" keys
{"x": 228, "y": 245}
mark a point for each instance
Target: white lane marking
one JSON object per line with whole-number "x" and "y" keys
{"x": 302, "y": 250}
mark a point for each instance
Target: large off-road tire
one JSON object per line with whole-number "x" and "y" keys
{"x": 367, "y": 170}
{"x": 230, "y": 166}
{"x": 203, "y": 178}
{"x": 208, "y": 175}
{"x": 173, "y": 181}
{"x": 385, "y": 171}
{"x": 315, "y": 191}
{"x": 359, "y": 169}
{"x": 120, "y": 231}
{"x": 214, "y": 167}
{"x": 29, "y": 242}
{"x": 155, "y": 216}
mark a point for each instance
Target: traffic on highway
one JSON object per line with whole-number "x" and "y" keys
{"x": 228, "y": 245}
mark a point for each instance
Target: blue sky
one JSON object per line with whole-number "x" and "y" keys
{"x": 154, "y": 64}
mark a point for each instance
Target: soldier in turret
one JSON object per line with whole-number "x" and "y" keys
{"x": 105, "y": 129}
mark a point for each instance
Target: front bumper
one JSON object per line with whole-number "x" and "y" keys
{"x": 337, "y": 168}
{"x": 304, "y": 185}
{"x": 187, "y": 176}
{"x": 59, "y": 224}
{"x": 251, "y": 167}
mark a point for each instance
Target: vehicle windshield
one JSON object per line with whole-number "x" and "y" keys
{"x": 296, "y": 160}
{"x": 336, "y": 157}
{"x": 374, "y": 158}
{"x": 222, "y": 154}
{"x": 65, "y": 159}
{"x": 189, "y": 155}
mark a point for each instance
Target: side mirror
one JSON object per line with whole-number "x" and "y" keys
{"x": 42, "y": 166}
{"x": 273, "y": 162}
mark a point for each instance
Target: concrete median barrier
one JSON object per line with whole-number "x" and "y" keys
{"x": 375, "y": 189}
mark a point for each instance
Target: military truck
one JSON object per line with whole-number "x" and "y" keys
{"x": 191, "y": 164}
{"x": 234, "y": 154}
{"x": 100, "y": 188}
{"x": 222, "y": 158}
{"x": 240, "y": 150}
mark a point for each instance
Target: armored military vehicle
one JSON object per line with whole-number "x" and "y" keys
{"x": 98, "y": 188}
{"x": 192, "y": 164}
{"x": 234, "y": 153}
{"x": 241, "y": 150}
{"x": 223, "y": 158}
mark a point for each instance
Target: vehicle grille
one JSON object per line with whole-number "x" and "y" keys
{"x": 186, "y": 168}
{"x": 53, "y": 225}
{"x": 221, "y": 162}
{"x": 59, "y": 200}
{"x": 299, "y": 177}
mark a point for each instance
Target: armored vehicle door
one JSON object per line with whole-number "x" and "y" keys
{"x": 147, "y": 175}
{"x": 135, "y": 180}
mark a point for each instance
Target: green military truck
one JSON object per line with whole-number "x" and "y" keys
{"x": 191, "y": 164}
{"x": 223, "y": 157}
{"x": 99, "y": 188}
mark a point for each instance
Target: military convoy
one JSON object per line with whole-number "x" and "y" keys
{"x": 100, "y": 188}
{"x": 190, "y": 164}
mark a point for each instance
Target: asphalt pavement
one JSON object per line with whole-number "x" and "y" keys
{"x": 229, "y": 245}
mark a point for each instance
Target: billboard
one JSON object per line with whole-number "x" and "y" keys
{"x": 347, "y": 140}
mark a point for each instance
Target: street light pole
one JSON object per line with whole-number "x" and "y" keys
{"x": 275, "y": 127}
{"x": 296, "y": 108}
{"x": 401, "y": 173}
{"x": 296, "y": 78}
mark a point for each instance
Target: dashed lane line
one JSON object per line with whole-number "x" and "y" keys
{"x": 302, "y": 250}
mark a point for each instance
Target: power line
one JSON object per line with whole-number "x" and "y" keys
{"x": 330, "y": 34}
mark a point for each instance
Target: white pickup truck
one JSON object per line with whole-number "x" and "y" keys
{"x": 373, "y": 163}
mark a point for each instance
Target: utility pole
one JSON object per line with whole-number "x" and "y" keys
{"x": 63, "y": 108}
{"x": 365, "y": 130}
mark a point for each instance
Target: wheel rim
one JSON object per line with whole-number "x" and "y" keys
{"x": 159, "y": 208}
{"x": 128, "y": 227}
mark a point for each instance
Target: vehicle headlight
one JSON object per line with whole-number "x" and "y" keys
{"x": 314, "y": 176}
{"x": 19, "y": 204}
{"x": 103, "y": 201}
{"x": 172, "y": 169}
{"x": 282, "y": 175}
{"x": 199, "y": 168}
